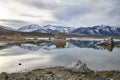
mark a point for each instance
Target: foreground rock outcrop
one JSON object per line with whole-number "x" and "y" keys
{"x": 78, "y": 66}
{"x": 75, "y": 71}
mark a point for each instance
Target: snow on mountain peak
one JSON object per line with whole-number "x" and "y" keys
{"x": 102, "y": 26}
{"x": 46, "y": 29}
{"x": 60, "y": 28}
{"x": 4, "y": 27}
{"x": 30, "y": 28}
{"x": 53, "y": 29}
{"x": 98, "y": 30}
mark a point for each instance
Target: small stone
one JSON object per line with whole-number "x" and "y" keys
{"x": 19, "y": 64}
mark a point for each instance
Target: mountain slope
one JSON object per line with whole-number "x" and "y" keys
{"x": 30, "y": 28}
{"x": 10, "y": 32}
{"x": 98, "y": 30}
{"x": 53, "y": 29}
{"x": 4, "y": 27}
{"x": 46, "y": 29}
{"x": 103, "y": 30}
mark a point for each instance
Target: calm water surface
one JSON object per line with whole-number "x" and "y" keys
{"x": 47, "y": 54}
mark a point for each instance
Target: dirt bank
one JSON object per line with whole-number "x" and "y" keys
{"x": 61, "y": 73}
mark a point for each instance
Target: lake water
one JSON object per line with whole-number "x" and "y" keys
{"x": 46, "y": 54}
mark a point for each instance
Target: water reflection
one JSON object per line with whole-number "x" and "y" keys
{"x": 86, "y": 44}
{"x": 108, "y": 47}
{"x": 59, "y": 44}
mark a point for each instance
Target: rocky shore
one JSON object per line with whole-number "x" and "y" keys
{"x": 75, "y": 71}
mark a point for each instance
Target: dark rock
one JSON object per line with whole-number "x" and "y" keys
{"x": 20, "y": 64}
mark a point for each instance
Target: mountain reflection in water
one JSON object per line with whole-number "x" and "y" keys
{"x": 59, "y": 44}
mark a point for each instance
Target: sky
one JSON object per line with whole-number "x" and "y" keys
{"x": 72, "y": 13}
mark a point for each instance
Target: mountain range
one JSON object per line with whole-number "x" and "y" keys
{"x": 98, "y": 30}
{"x": 104, "y": 30}
{"x": 46, "y": 29}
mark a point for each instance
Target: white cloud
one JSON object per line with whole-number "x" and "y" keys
{"x": 13, "y": 9}
{"x": 61, "y": 12}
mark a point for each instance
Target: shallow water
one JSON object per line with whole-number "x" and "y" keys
{"x": 47, "y": 54}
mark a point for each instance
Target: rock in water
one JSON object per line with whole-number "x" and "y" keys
{"x": 78, "y": 67}
{"x": 110, "y": 41}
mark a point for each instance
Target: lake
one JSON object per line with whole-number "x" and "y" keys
{"x": 29, "y": 56}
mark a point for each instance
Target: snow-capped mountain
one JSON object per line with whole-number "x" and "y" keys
{"x": 4, "y": 27}
{"x": 95, "y": 30}
{"x": 53, "y": 29}
{"x": 46, "y": 29}
{"x": 98, "y": 30}
{"x": 29, "y": 28}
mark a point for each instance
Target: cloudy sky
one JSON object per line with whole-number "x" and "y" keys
{"x": 74, "y": 13}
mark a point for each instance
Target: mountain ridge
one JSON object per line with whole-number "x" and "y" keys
{"x": 98, "y": 30}
{"x": 53, "y": 29}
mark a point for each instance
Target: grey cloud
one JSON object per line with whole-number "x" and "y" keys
{"x": 61, "y": 11}
{"x": 5, "y": 20}
{"x": 40, "y": 4}
{"x": 115, "y": 10}
{"x": 71, "y": 11}
{"x": 28, "y": 15}
{"x": 14, "y": 23}
{"x": 76, "y": 12}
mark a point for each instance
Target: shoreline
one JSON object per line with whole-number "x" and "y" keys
{"x": 60, "y": 73}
